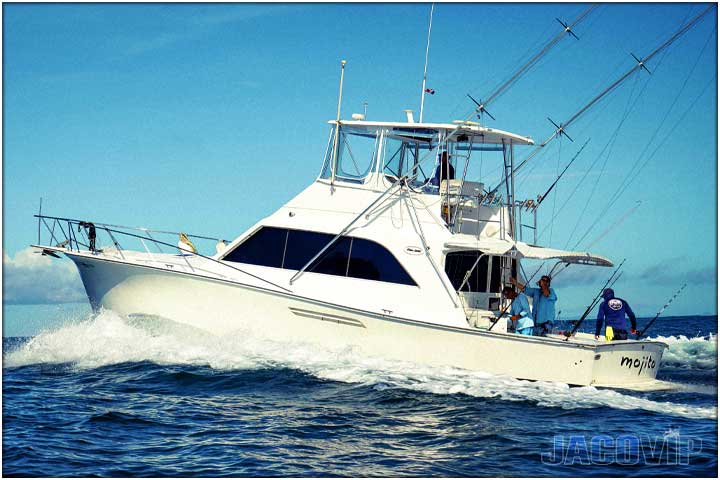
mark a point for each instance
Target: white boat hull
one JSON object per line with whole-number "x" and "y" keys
{"x": 222, "y": 306}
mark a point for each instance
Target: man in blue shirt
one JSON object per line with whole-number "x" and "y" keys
{"x": 612, "y": 311}
{"x": 519, "y": 311}
{"x": 543, "y": 307}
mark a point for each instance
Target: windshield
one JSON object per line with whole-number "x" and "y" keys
{"x": 406, "y": 156}
{"x": 356, "y": 155}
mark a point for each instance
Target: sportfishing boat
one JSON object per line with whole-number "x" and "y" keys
{"x": 397, "y": 249}
{"x": 376, "y": 254}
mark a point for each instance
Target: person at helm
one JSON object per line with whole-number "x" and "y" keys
{"x": 444, "y": 171}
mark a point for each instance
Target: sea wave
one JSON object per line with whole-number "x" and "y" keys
{"x": 699, "y": 353}
{"x": 108, "y": 339}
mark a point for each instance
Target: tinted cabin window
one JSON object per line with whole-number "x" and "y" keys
{"x": 335, "y": 260}
{"x": 372, "y": 261}
{"x": 265, "y": 247}
{"x": 457, "y": 264}
{"x": 303, "y": 246}
{"x": 293, "y": 249}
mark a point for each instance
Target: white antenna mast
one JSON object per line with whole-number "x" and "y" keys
{"x": 333, "y": 163}
{"x": 427, "y": 51}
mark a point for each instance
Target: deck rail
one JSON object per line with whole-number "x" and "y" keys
{"x": 87, "y": 240}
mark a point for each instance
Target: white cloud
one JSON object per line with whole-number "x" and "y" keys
{"x": 34, "y": 278}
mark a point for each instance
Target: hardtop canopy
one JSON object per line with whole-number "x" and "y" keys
{"x": 469, "y": 132}
{"x": 498, "y": 246}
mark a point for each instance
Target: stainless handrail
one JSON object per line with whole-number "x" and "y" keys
{"x": 142, "y": 229}
{"x": 110, "y": 231}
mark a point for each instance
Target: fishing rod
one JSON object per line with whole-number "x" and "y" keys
{"x": 597, "y": 299}
{"x": 507, "y": 307}
{"x": 642, "y": 332}
{"x": 544, "y": 196}
{"x": 616, "y": 279}
{"x": 504, "y": 311}
{"x": 529, "y": 279}
{"x": 640, "y": 65}
{"x": 594, "y": 302}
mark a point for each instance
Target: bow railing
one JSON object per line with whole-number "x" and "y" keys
{"x": 103, "y": 239}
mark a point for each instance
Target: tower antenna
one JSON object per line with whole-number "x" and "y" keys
{"x": 427, "y": 51}
{"x": 333, "y": 163}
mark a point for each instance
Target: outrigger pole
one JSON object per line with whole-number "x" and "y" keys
{"x": 427, "y": 51}
{"x": 642, "y": 332}
{"x": 640, "y": 65}
{"x": 567, "y": 29}
{"x": 594, "y": 301}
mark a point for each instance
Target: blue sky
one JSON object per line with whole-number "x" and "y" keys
{"x": 206, "y": 117}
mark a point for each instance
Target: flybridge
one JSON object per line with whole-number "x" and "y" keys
{"x": 433, "y": 160}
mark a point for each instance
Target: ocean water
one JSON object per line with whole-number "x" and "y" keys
{"x": 87, "y": 395}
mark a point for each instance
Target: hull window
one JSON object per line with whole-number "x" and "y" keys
{"x": 347, "y": 257}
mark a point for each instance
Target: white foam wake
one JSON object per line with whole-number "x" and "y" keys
{"x": 108, "y": 339}
{"x": 695, "y": 352}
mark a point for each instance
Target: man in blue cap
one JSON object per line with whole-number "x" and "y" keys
{"x": 612, "y": 312}
{"x": 543, "y": 307}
